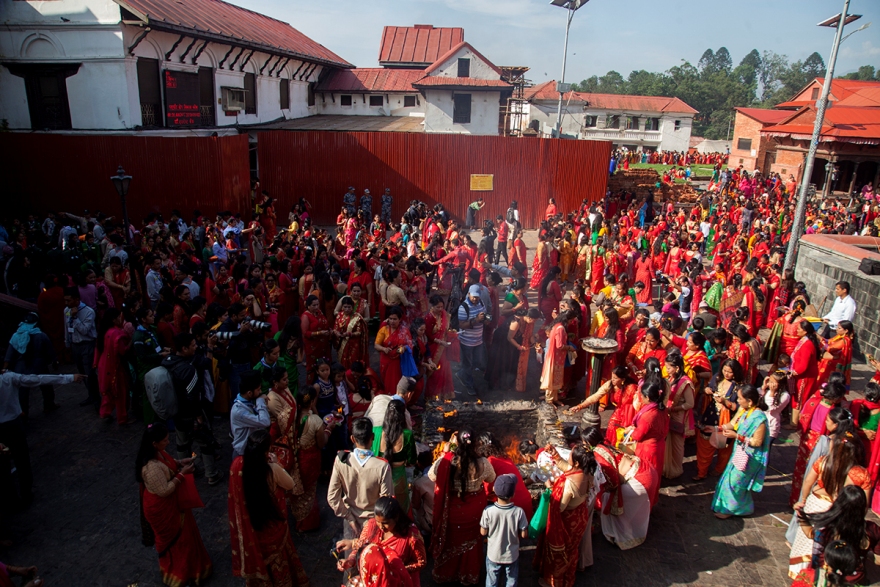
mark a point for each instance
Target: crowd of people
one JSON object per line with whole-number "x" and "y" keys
{"x": 320, "y": 347}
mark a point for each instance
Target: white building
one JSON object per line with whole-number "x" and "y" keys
{"x": 429, "y": 73}
{"x": 649, "y": 123}
{"x": 135, "y": 65}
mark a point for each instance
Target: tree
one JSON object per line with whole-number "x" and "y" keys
{"x": 723, "y": 62}
{"x": 864, "y": 73}
{"x": 612, "y": 83}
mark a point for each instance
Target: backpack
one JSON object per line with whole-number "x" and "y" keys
{"x": 160, "y": 392}
{"x": 511, "y": 217}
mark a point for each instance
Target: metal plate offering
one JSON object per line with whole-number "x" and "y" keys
{"x": 599, "y": 346}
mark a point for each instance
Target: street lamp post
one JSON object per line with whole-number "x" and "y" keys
{"x": 121, "y": 183}
{"x": 572, "y": 7}
{"x": 797, "y": 228}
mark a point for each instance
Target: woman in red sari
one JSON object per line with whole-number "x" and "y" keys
{"x": 393, "y": 337}
{"x": 459, "y": 500}
{"x": 113, "y": 343}
{"x": 550, "y": 294}
{"x": 316, "y": 335}
{"x": 518, "y": 253}
{"x": 440, "y": 383}
{"x": 597, "y": 269}
{"x": 555, "y": 353}
{"x": 289, "y": 293}
{"x": 556, "y": 556}
{"x": 648, "y": 348}
{"x": 263, "y": 553}
{"x": 183, "y": 559}
{"x": 541, "y": 262}
{"x": 754, "y": 300}
{"x": 392, "y": 530}
{"x": 350, "y": 331}
{"x": 838, "y": 354}
{"x": 380, "y": 568}
{"x": 650, "y": 427}
{"x": 645, "y": 273}
{"x": 741, "y": 352}
{"x": 804, "y": 368}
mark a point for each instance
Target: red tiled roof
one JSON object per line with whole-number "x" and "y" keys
{"x": 869, "y": 97}
{"x": 840, "y": 90}
{"x": 841, "y": 123}
{"x": 223, "y": 22}
{"x": 443, "y": 58}
{"x": 764, "y": 115}
{"x": 420, "y": 44}
{"x": 547, "y": 91}
{"x": 370, "y": 79}
{"x": 436, "y": 81}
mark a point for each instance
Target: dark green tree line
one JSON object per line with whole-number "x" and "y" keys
{"x": 715, "y": 86}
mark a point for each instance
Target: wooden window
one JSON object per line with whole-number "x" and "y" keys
{"x": 461, "y": 109}
{"x": 409, "y": 101}
{"x": 345, "y": 100}
{"x": 206, "y": 96}
{"x": 814, "y": 94}
{"x": 744, "y": 144}
{"x": 464, "y": 67}
{"x": 150, "y": 92}
{"x": 250, "y": 93}
{"x": 284, "y": 92}
{"x": 376, "y": 100}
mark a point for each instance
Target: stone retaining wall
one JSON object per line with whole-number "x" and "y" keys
{"x": 820, "y": 267}
{"x": 505, "y": 419}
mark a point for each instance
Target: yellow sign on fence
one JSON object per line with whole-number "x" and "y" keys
{"x": 481, "y": 182}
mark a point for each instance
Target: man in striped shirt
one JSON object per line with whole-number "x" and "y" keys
{"x": 472, "y": 315}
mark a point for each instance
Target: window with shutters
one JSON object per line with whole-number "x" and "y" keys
{"x": 409, "y": 101}
{"x": 461, "y": 109}
{"x": 345, "y": 100}
{"x": 150, "y": 92}
{"x": 376, "y": 100}
{"x": 464, "y": 67}
{"x": 250, "y": 93}
{"x": 285, "y": 94}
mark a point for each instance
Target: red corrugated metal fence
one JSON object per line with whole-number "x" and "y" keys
{"x": 70, "y": 173}
{"x": 430, "y": 167}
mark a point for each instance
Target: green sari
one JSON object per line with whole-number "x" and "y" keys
{"x": 745, "y": 470}
{"x": 398, "y": 472}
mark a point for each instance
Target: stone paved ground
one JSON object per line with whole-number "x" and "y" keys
{"x": 83, "y": 529}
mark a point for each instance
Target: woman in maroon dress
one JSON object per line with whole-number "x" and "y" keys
{"x": 316, "y": 335}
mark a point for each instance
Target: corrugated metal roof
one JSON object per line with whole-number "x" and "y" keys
{"x": 547, "y": 91}
{"x": 340, "y": 122}
{"x": 218, "y": 19}
{"x": 869, "y": 97}
{"x": 840, "y": 90}
{"x": 764, "y": 115}
{"x": 456, "y": 82}
{"x": 371, "y": 79}
{"x": 420, "y": 44}
{"x": 841, "y": 122}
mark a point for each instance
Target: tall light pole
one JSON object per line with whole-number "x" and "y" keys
{"x": 797, "y": 227}
{"x": 571, "y": 6}
{"x": 121, "y": 183}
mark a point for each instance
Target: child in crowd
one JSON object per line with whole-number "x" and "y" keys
{"x": 504, "y": 524}
{"x": 776, "y": 396}
{"x": 423, "y": 494}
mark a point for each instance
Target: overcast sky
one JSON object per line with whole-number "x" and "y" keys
{"x": 623, "y": 35}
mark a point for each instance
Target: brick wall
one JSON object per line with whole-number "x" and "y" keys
{"x": 788, "y": 163}
{"x": 820, "y": 268}
{"x": 746, "y": 127}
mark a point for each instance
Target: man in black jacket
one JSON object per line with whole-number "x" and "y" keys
{"x": 188, "y": 374}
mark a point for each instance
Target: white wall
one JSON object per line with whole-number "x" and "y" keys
{"x": 676, "y": 140}
{"x": 98, "y": 96}
{"x": 479, "y": 69}
{"x": 392, "y": 104}
{"x": 484, "y": 113}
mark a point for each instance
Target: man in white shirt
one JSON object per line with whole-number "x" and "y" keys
{"x": 844, "y": 307}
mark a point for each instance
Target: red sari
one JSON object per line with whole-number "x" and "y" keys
{"x": 809, "y": 437}
{"x": 440, "y": 382}
{"x": 540, "y": 265}
{"x": 645, "y": 274}
{"x": 804, "y": 363}
{"x": 651, "y": 429}
{"x": 841, "y": 347}
{"x": 183, "y": 559}
{"x": 112, "y": 379}
{"x": 389, "y": 363}
{"x": 623, "y": 415}
{"x": 549, "y": 302}
{"x": 380, "y": 568}
{"x": 355, "y": 347}
{"x": 518, "y": 253}
{"x": 314, "y": 347}
{"x": 265, "y": 558}
{"x": 597, "y": 273}
{"x": 410, "y": 549}
{"x": 556, "y": 556}
{"x": 521, "y": 496}
{"x": 457, "y": 545}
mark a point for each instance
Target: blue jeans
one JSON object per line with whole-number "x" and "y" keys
{"x": 501, "y": 574}
{"x": 472, "y": 357}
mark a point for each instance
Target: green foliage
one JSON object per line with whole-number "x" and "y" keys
{"x": 715, "y": 87}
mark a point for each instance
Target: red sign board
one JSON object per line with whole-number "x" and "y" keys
{"x": 181, "y": 99}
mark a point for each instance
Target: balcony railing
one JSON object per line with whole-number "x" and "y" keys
{"x": 618, "y": 134}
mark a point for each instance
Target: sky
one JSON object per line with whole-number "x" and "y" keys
{"x": 623, "y": 35}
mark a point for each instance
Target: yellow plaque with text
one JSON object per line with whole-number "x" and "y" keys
{"x": 481, "y": 182}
